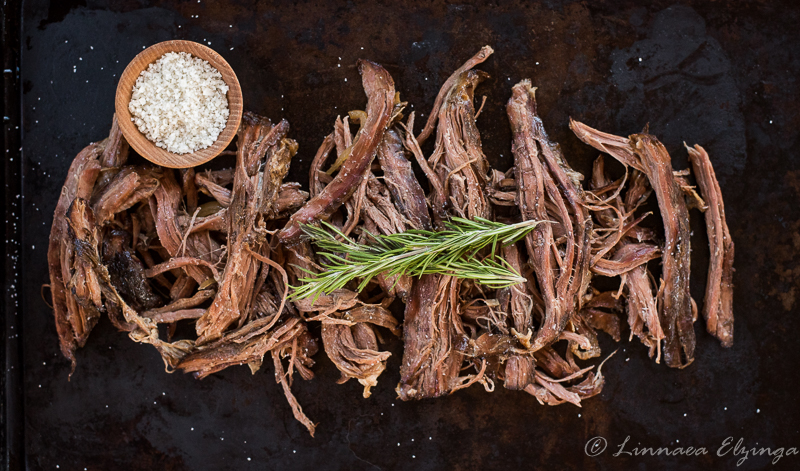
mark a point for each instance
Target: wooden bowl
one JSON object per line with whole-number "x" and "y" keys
{"x": 147, "y": 148}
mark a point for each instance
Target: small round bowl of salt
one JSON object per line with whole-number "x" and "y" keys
{"x": 179, "y": 104}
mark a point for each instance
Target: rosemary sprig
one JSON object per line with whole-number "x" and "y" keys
{"x": 452, "y": 251}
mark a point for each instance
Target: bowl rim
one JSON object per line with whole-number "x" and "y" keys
{"x": 139, "y": 141}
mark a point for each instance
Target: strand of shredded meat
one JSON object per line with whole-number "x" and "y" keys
{"x": 718, "y": 305}
{"x": 550, "y": 191}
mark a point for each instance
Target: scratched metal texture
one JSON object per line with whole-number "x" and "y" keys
{"x": 721, "y": 74}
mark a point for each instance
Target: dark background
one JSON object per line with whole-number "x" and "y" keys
{"x": 721, "y": 74}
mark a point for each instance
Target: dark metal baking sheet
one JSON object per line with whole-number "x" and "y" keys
{"x": 722, "y": 74}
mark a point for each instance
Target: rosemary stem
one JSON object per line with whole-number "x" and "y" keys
{"x": 452, "y": 251}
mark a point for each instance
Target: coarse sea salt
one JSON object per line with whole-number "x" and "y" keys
{"x": 179, "y": 103}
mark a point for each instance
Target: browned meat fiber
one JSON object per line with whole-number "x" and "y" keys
{"x": 718, "y": 305}
{"x": 217, "y": 251}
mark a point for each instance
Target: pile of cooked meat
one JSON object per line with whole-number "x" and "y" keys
{"x": 199, "y": 263}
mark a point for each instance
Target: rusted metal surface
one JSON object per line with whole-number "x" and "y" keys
{"x": 721, "y": 74}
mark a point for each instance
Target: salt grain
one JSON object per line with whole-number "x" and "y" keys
{"x": 179, "y": 102}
